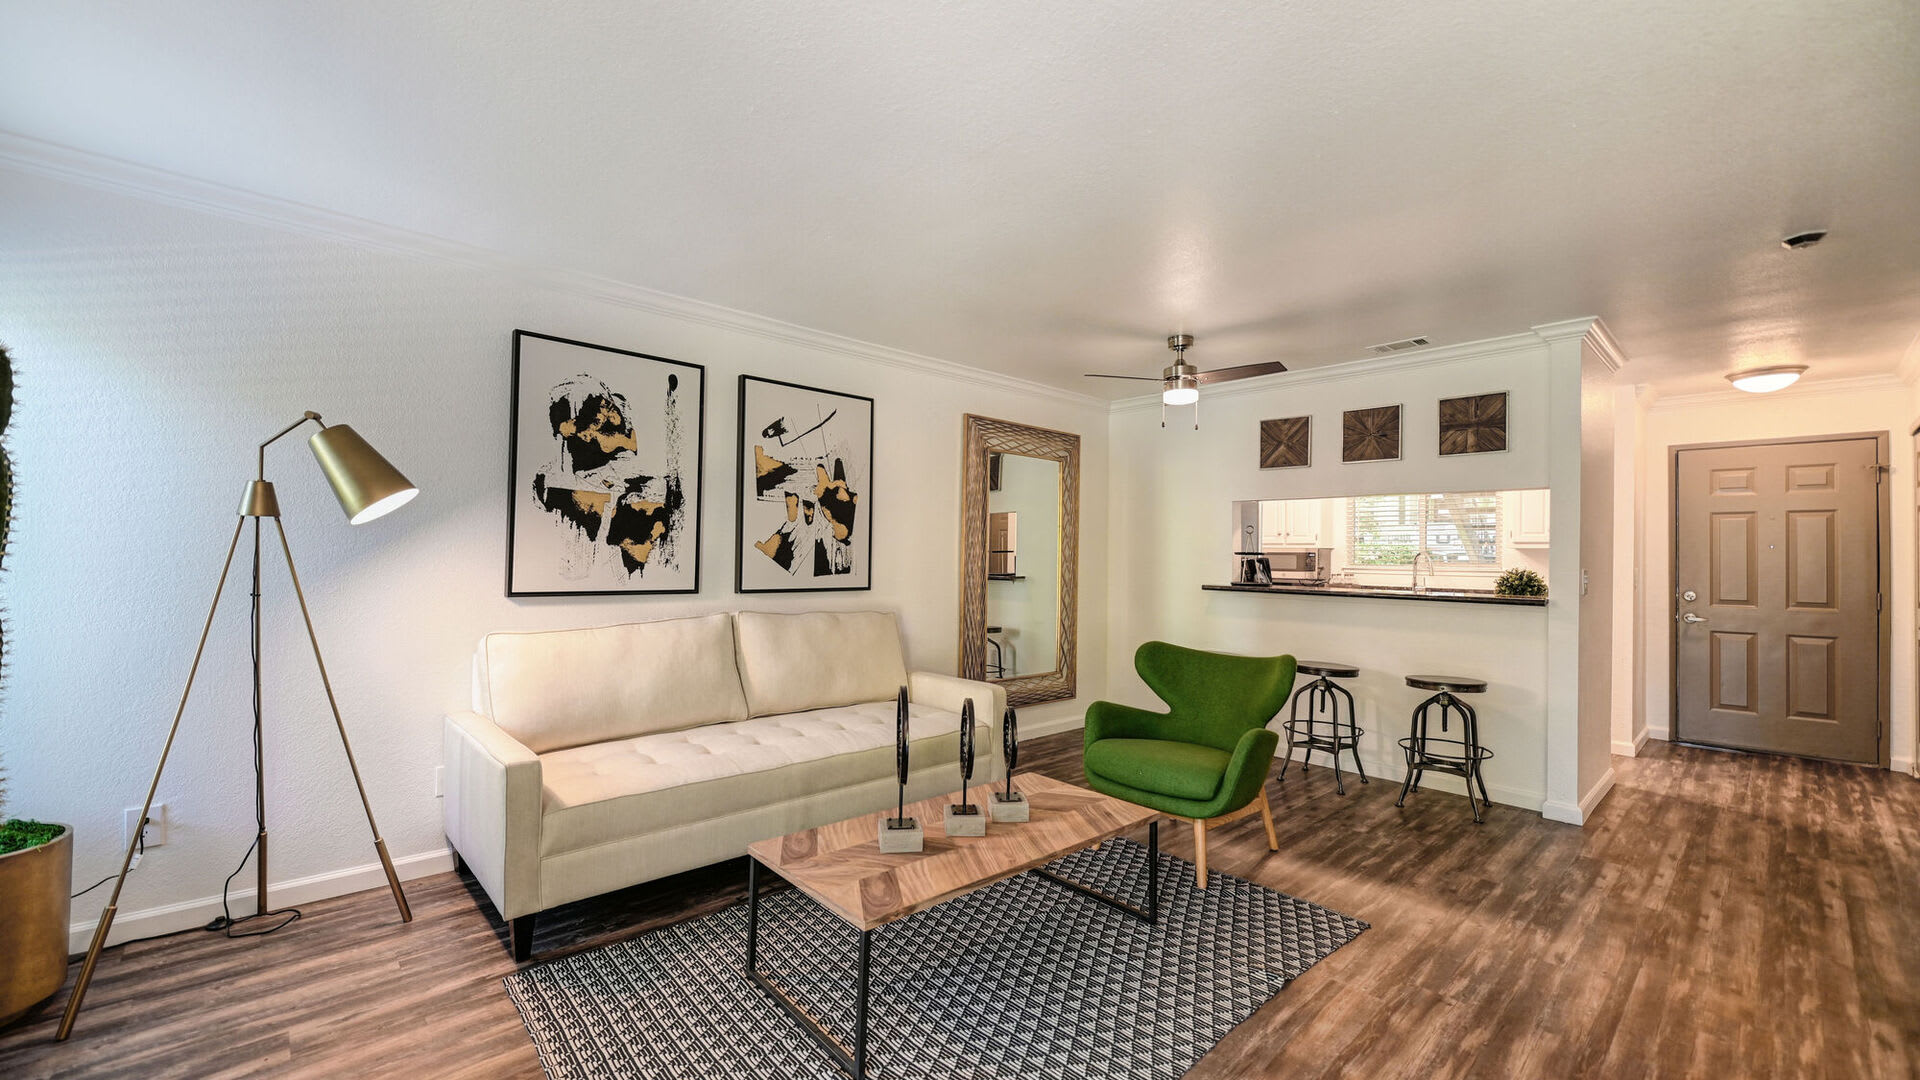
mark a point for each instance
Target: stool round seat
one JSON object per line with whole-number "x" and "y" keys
{"x": 1451, "y": 684}
{"x": 1327, "y": 669}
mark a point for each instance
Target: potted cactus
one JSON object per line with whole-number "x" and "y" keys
{"x": 36, "y": 859}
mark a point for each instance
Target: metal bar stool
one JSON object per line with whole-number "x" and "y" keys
{"x": 1461, "y": 757}
{"x": 1307, "y": 734}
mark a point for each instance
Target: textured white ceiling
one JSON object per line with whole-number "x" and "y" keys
{"x": 1047, "y": 188}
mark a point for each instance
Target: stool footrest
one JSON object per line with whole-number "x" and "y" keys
{"x": 1418, "y": 748}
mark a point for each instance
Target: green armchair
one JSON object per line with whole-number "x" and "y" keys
{"x": 1204, "y": 760}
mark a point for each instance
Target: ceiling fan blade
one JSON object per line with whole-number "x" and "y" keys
{"x": 1245, "y": 371}
{"x": 1141, "y": 378}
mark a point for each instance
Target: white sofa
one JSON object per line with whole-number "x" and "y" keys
{"x": 601, "y": 758}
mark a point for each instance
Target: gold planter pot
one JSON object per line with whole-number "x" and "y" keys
{"x": 33, "y": 936}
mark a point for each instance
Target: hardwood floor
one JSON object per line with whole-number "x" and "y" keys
{"x": 1723, "y": 915}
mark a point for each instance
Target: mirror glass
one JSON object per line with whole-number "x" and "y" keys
{"x": 1023, "y": 566}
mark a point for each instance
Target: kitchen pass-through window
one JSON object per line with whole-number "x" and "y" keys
{"x": 1460, "y": 529}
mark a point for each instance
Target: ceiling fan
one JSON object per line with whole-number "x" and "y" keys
{"x": 1180, "y": 383}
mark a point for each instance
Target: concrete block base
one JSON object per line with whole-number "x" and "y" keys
{"x": 958, "y": 824}
{"x": 1005, "y": 809}
{"x": 901, "y": 841}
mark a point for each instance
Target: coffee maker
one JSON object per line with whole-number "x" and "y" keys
{"x": 1255, "y": 570}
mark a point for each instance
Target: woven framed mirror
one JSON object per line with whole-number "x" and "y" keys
{"x": 1019, "y": 553}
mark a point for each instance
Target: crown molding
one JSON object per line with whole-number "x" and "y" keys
{"x": 1565, "y": 328}
{"x": 1909, "y": 367}
{"x": 1730, "y": 396}
{"x": 1436, "y": 356}
{"x": 1606, "y": 345}
{"x": 22, "y": 153}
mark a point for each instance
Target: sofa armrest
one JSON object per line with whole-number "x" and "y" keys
{"x": 1112, "y": 720}
{"x": 949, "y": 692}
{"x": 493, "y": 808}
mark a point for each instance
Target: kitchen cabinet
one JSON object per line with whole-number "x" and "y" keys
{"x": 1529, "y": 518}
{"x": 1290, "y": 523}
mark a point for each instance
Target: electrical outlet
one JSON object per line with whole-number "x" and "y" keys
{"x": 439, "y": 781}
{"x": 156, "y": 825}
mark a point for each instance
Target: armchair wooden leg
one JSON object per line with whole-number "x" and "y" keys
{"x": 1266, "y": 817}
{"x": 1200, "y": 854}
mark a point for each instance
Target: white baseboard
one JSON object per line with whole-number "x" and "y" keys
{"x": 1036, "y": 729}
{"x": 189, "y": 914}
{"x": 1577, "y": 814}
{"x": 1565, "y": 812}
{"x": 1631, "y": 749}
{"x": 1658, "y": 731}
{"x": 1393, "y": 772}
{"x": 1902, "y": 765}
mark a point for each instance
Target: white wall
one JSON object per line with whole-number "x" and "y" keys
{"x": 1597, "y": 520}
{"x": 1850, "y": 407}
{"x": 157, "y": 345}
{"x": 1629, "y": 490}
{"x": 1171, "y": 523}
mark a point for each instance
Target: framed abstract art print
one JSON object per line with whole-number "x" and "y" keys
{"x": 805, "y": 489}
{"x": 605, "y": 467}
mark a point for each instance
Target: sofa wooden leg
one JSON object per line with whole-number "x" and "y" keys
{"x": 520, "y": 935}
{"x": 1266, "y": 817}
{"x": 1200, "y": 854}
{"x": 459, "y": 864}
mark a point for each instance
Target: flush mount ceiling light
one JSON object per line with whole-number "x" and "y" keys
{"x": 1180, "y": 383}
{"x": 1766, "y": 380}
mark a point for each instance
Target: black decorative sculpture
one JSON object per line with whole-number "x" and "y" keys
{"x": 1009, "y": 805}
{"x": 900, "y": 833}
{"x": 966, "y": 818}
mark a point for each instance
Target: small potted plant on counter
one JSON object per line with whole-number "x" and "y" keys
{"x": 36, "y": 859}
{"x": 1520, "y": 582}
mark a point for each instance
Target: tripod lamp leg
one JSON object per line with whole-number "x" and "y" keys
{"x": 379, "y": 844}
{"x": 126, "y": 862}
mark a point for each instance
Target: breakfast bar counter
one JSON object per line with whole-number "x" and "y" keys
{"x": 1377, "y": 592}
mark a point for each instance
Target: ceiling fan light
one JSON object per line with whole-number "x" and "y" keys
{"x": 1767, "y": 379}
{"x": 1180, "y": 391}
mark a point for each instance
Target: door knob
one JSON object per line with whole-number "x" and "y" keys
{"x": 1690, "y": 617}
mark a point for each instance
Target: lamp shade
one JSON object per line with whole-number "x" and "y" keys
{"x": 367, "y": 485}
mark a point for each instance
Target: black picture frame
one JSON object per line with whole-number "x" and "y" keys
{"x": 520, "y": 501}
{"x": 861, "y": 540}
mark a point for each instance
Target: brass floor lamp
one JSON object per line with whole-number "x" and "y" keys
{"x": 367, "y": 487}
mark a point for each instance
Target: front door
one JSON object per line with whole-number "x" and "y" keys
{"x": 1776, "y": 594}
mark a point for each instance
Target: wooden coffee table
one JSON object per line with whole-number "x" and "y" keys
{"x": 840, "y": 866}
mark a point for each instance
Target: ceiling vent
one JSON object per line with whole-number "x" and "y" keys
{"x": 1398, "y": 346}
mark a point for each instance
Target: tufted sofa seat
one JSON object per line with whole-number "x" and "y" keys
{"x": 601, "y": 758}
{"x": 608, "y": 791}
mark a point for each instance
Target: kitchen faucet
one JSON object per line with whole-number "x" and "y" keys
{"x": 1417, "y": 556}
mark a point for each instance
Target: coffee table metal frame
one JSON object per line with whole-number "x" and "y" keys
{"x": 853, "y": 1060}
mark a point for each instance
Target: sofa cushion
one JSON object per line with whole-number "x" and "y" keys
{"x": 556, "y": 689}
{"x": 614, "y": 790}
{"x": 1183, "y": 770}
{"x": 818, "y": 660}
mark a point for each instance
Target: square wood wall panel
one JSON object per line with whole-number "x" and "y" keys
{"x": 1286, "y": 444}
{"x": 1473, "y": 425}
{"x": 1370, "y": 434}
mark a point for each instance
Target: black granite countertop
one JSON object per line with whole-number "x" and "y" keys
{"x": 1374, "y": 592}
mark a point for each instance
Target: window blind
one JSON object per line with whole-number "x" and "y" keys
{"x": 1459, "y": 529}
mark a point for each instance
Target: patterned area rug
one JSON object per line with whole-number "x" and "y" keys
{"x": 1023, "y": 980}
